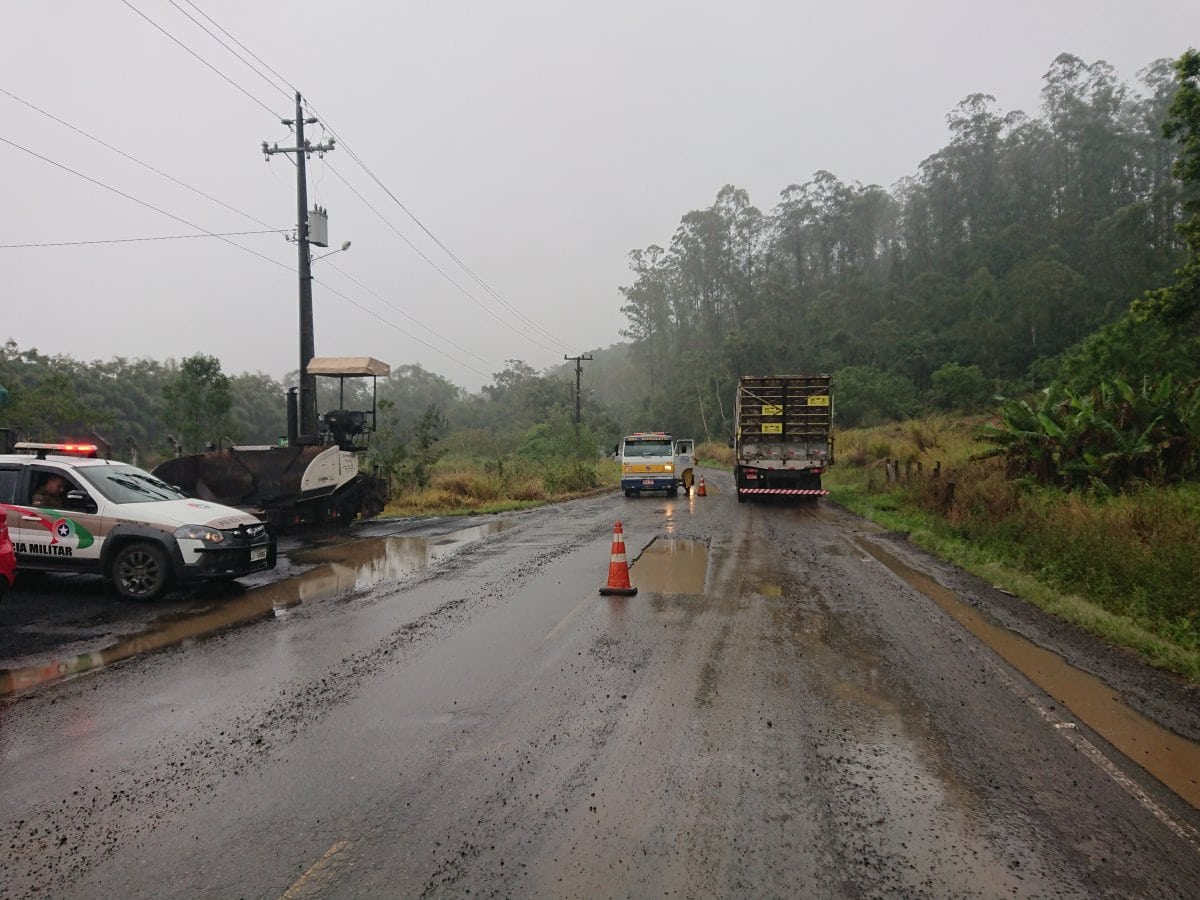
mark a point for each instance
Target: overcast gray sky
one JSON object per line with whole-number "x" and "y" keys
{"x": 539, "y": 140}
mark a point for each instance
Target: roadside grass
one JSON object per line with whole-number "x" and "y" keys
{"x": 714, "y": 455}
{"x": 1124, "y": 567}
{"x": 468, "y": 486}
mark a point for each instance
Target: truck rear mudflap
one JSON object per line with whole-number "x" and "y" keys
{"x": 752, "y": 482}
{"x": 783, "y": 492}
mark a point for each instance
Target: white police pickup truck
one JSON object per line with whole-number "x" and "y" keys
{"x": 110, "y": 518}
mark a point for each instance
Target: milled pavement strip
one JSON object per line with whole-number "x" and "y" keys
{"x": 1065, "y": 728}
{"x": 320, "y": 870}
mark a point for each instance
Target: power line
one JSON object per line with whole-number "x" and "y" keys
{"x": 239, "y": 246}
{"x": 133, "y": 240}
{"x": 491, "y": 312}
{"x": 354, "y": 156}
{"x": 259, "y": 59}
{"x": 237, "y": 55}
{"x": 205, "y": 233}
{"x": 412, "y": 319}
{"x": 133, "y": 159}
{"x": 151, "y": 206}
{"x": 530, "y": 323}
{"x": 371, "y": 312}
{"x": 200, "y": 58}
{"x": 488, "y": 288}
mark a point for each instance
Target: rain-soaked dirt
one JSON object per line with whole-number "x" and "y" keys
{"x": 792, "y": 705}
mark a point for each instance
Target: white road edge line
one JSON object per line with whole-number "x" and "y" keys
{"x": 1070, "y": 731}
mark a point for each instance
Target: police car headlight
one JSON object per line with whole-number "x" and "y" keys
{"x": 199, "y": 533}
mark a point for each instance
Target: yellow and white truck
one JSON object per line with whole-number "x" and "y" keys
{"x": 655, "y": 461}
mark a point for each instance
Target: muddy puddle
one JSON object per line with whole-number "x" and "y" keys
{"x": 671, "y": 566}
{"x": 1173, "y": 760}
{"x": 336, "y": 569}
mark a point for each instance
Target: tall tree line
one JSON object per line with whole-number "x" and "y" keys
{"x": 1011, "y": 243}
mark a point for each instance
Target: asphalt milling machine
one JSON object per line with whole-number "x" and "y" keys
{"x": 309, "y": 480}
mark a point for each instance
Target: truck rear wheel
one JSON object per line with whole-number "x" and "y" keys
{"x": 140, "y": 571}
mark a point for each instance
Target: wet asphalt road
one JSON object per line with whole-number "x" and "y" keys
{"x": 464, "y": 715}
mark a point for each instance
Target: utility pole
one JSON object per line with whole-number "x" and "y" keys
{"x": 578, "y": 360}
{"x": 308, "y": 383}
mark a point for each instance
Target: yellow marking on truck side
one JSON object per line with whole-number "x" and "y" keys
{"x": 818, "y": 400}
{"x": 772, "y": 428}
{"x": 772, "y": 410}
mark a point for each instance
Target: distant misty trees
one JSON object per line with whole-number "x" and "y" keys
{"x": 1020, "y": 237}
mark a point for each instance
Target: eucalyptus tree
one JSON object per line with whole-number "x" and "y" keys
{"x": 647, "y": 308}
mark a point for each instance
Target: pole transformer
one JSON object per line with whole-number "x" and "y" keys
{"x": 302, "y": 150}
{"x": 579, "y": 361}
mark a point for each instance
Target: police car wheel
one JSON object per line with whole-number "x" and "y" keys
{"x": 140, "y": 571}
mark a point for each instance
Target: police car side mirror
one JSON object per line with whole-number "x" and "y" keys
{"x": 79, "y": 501}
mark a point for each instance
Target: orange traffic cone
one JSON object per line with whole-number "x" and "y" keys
{"x": 700, "y": 492}
{"x": 618, "y": 568}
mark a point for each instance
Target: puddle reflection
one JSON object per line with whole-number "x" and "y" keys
{"x": 671, "y": 566}
{"x": 381, "y": 559}
{"x": 338, "y": 569}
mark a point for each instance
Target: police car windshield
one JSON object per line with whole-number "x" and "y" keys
{"x": 648, "y": 448}
{"x": 125, "y": 484}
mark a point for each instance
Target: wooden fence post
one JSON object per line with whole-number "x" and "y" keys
{"x": 947, "y": 495}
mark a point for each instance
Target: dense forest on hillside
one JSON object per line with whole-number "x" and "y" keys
{"x": 1008, "y": 260}
{"x": 1017, "y": 239}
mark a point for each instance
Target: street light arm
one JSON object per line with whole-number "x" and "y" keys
{"x": 345, "y": 246}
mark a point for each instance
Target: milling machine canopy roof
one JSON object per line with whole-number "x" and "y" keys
{"x": 348, "y": 366}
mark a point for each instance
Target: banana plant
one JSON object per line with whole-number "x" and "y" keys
{"x": 1109, "y": 437}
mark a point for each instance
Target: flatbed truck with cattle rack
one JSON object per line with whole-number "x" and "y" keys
{"x": 784, "y": 437}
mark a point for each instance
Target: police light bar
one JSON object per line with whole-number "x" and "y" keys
{"x": 88, "y": 450}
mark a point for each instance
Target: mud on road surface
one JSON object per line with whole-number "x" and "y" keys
{"x": 789, "y": 706}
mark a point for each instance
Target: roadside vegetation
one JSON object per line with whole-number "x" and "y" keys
{"x": 462, "y": 485}
{"x": 549, "y": 462}
{"x": 1084, "y": 497}
{"x": 1123, "y": 565}
{"x": 545, "y": 469}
